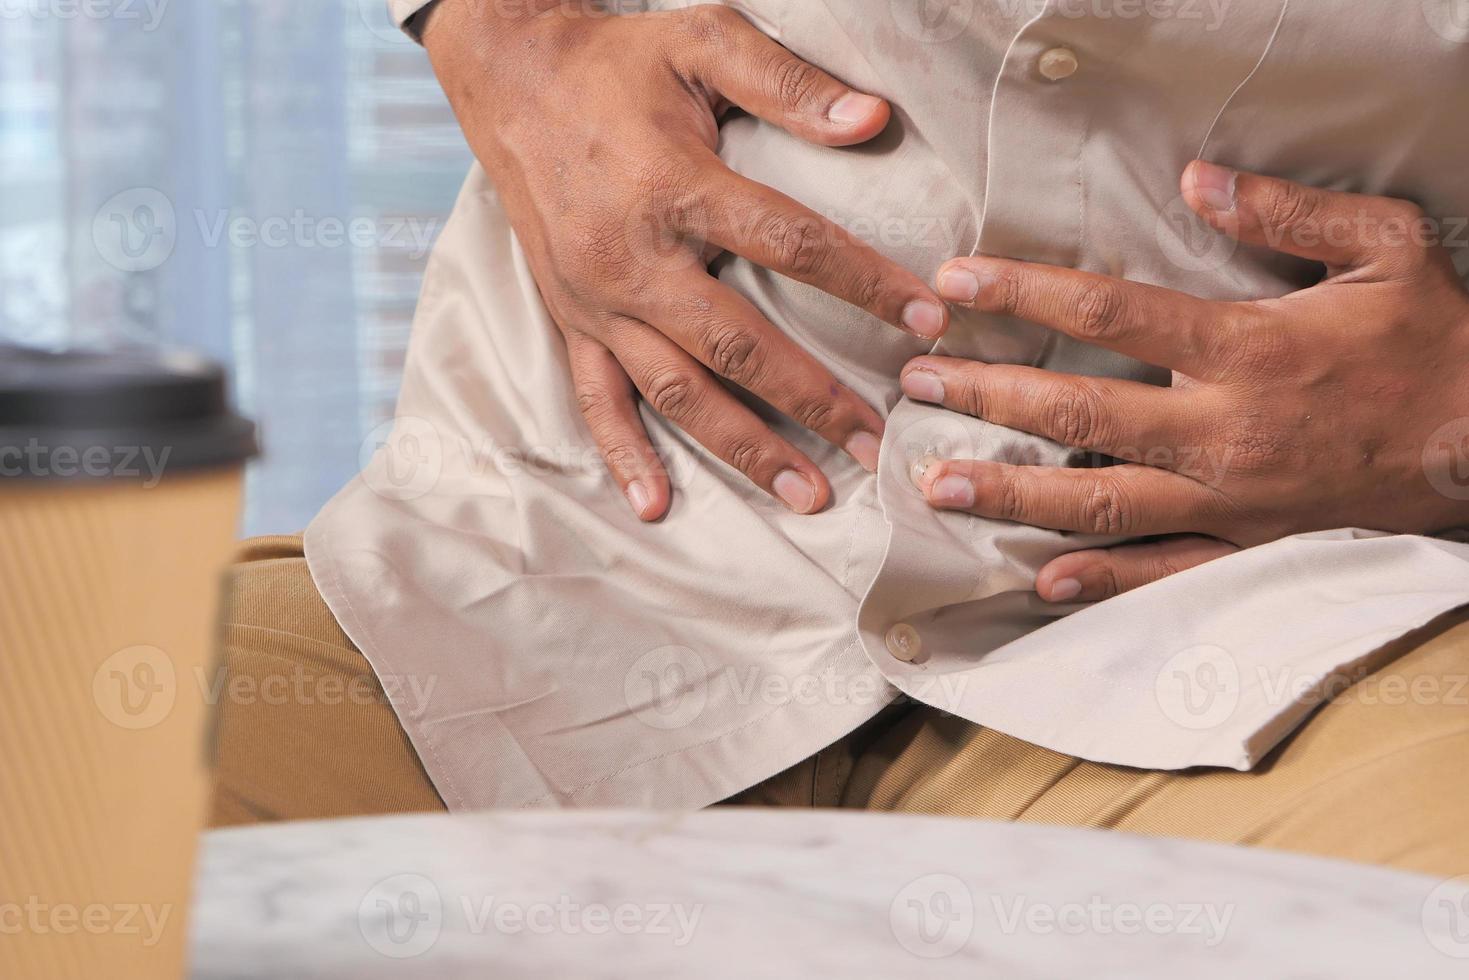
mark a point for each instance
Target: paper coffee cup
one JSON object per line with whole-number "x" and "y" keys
{"x": 120, "y": 482}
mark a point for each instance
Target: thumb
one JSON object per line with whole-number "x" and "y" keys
{"x": 1091, "y": 576}
{"x": 729, "y": 56}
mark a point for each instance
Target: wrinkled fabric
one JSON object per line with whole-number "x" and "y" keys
{"x": 581, "y": 658}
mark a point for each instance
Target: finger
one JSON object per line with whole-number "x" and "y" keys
{"x": 1126, "y": 500}
{"x": 609, "y": 404}
{"x": 725, "y": 53}
{"x": 725, "y": 332}
{"x": 774, "y": 231}
{"x": 1155, "y": 325}
{"x": 1101, "y": 573}
{"x": 1125, "y": 419}
{"x": 684, "y": 392}
{"x": 1344, "y": 231}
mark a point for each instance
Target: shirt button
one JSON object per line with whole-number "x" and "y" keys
{"x": 1058, "y": 63}
{"x": 904, "y": 643}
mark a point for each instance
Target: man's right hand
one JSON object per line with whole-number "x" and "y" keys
{"x": 600, "y": 133}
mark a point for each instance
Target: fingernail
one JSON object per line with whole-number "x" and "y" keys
{"x": 958, "y": 285}
{"x": 1214, "y": 186}
{"x": 924, "y": 318}
{"x": 920, "y": 469}
{"x": 852, "y": 108}
{"x": 640, "y": 498}
{"x": 798, "y": 492}
{"x": 923, "y": 386}
{"x": 864, "y": 447}
{"x": 952, "y": 491}
{"x": 1064, "y": 590}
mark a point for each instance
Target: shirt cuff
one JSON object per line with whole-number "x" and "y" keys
{"x": 409, "y": 15}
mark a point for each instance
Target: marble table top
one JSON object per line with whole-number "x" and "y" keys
{"x": 746, "y": 893}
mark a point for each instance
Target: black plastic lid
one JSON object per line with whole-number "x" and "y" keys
{"x": 134, "y": 413}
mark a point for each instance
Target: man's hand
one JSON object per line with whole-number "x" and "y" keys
{"x": 600, "y": 133}
{"x": 1343, "y": 405}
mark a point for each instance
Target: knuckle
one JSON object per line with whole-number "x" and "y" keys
{"x": 1109, "y": 578}
{"x": 870, "y": 290}
{"x": 671, "y": 392}
{"x": 1073, "y": 415}
{"x": 621, "y": 457}
{"x": 1009, "y": 496}
{"x": 708, "y": 23}
{"x": 669, "y": 188}
{"x": 795, "y": 82}
{"x": 1008, "y": 291}
{"x": 731, "y": 351}
{"x": 797, "y": 243}
{"x": 594, "y": 403}
{"x": 1106, "y": 511}
{"x": 1288, "y": 206}
{"x": 1097, "y": 309}
{"x": 972, "y": 395}
{"x": 747, "y": 455}
{"x": 815, "y": 413}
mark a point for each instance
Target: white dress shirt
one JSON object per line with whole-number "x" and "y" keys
{"x": 546, "y": 648}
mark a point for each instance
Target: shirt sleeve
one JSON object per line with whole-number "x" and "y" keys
{"x": 408, "y": 14}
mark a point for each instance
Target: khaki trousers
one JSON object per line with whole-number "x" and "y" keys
{"x": 1379, "y": 774}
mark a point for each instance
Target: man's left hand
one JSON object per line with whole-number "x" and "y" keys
{"x": 1343, "y": 405}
